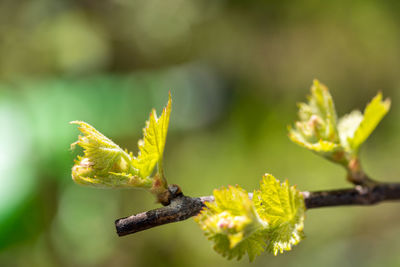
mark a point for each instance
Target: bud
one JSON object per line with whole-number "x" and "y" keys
{"x": 316, "y": 129}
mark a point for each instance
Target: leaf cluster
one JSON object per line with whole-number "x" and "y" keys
{"x": 338, "y": 140}
{"x": 272, "y": 220}
{"x": 105, "y": 164}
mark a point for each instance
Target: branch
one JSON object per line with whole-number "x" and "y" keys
{"x": 182, "y": 207}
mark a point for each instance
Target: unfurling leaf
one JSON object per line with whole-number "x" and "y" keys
{"x": 232, "y": 223}
{"x": 104, "y": 163}
{"x": 316, "y": 129}
{"x": 347, "y": 126}
{"x": 151, "y": 147}
{"x": 282, "y": 207}
{"x": 373, "y": 114}
{"x": 238, "y": 225}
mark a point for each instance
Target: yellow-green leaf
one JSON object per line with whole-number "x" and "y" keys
{"x": 104, "y": 163}
{"x": 231, "y": 222}
{"x": 151, "y": 147}
{"x": 253, "y": 245}
{"x": 282, "y": 207}
{"x": 373, "y": 114}
{"x": 321, "y": 147}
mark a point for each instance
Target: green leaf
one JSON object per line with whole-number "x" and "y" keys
{"x": 232, "y": 223}
{"x": 347, "y": 126}
{"x": 317, "y": 129}
{"x": 282, "y": 207}
{"x": 253, "y": 245}
{"x": 320, "y": 147}
{"x": 151, "y": 147}
{"x": 373, "y": 114}
{"x": 104, "y": 163}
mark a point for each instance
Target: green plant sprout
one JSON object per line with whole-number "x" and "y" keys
{"x": 320, "y": 131}
{"x": 236, "y": 221}
{"x": 105, "y": 164}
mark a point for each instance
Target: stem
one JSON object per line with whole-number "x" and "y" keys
{"x": 161, "y": 188}
{"x": 357, "y": 176}
{"x": 160, "y": 169}
{"x": 182, "y": 207}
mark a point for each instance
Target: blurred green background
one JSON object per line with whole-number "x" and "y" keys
{"x": 236, "y": 70}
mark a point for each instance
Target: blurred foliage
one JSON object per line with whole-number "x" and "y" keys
{"x": 235, "y": 70}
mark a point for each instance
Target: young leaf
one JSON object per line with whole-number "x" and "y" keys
{"x": 151, "y": 147}
{"x": 322, "y": 147}
{"x": 347, "y": 126}
{"x": 253, "y": 245}
{"x": 282, "y": 207}
{"x": 104, "y": 163}
{"x": 373, "y": 114}
{"x": 316, "y": 129}
{"x": 232, "y": 223}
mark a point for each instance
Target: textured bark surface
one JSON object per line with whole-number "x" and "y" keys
{"x": 180, "y": 208}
